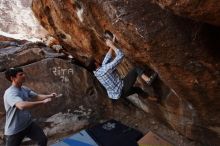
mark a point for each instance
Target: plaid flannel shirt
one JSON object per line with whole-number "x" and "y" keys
{"x": 108, "y": 76}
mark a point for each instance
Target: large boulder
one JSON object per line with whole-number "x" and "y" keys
{"x": 183, "y": 52}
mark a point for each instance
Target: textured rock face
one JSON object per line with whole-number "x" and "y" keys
{"x": 18, "y": 19}
{"x": 15, "y": 54}
{"x": 205, "y": 11}
{"x": 184, "y": 53}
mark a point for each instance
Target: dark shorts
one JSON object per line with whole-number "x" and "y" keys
{"x": 33, "y": 131}
{"x": 129, "y": 81}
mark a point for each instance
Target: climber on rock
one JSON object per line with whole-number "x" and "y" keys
{"x": 18, "y": 100}
{"x": 107, "y": 74}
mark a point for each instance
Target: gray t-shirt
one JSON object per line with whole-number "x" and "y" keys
{"x": 16, "y": 119}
